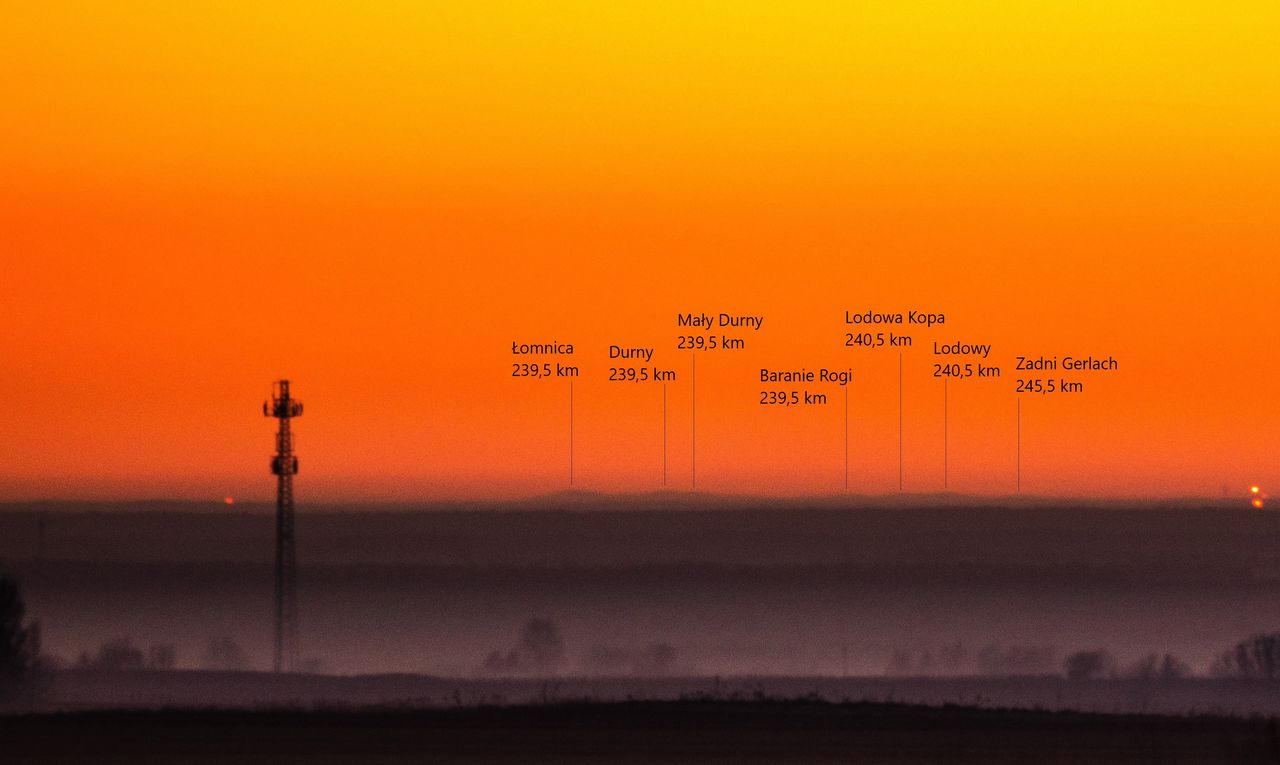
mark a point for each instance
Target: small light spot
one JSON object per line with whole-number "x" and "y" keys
{"x": 1258, "y": 503}
{"x": 1254, "y": 489}
{"x": 228, "y": 500}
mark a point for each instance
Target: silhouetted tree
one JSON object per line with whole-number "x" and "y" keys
{"x": 953, "y": 658}
{"x": 925, "y": 663}
{"x": 1255, "y": 657}
{"x": 540, "y": 650}
{"x": 1156, "y": 667}
{"x": 19, "y": 641}
{"x": 117, "y": 655}
{"x": 162, "y": 656}
{"x": 498, "y": 663}
{"x": 655, "y": 659}
{"x": 900, "y": 663}
{"x": 1088, "y": 665}
{"x": 311, "y": 666}
{"x": 225, "y": 654}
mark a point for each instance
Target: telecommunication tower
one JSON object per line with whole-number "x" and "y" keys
{"x": 285, "y": 466}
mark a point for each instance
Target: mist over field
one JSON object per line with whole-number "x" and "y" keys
{"x": 651, "y": 587}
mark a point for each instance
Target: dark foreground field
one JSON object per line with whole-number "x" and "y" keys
{"x": 639, "y": 732}
{"x": 77, "y": 690}
{"x": 738, "y": 588}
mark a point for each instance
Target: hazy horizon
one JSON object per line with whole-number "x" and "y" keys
{"x": 580, "y": 498}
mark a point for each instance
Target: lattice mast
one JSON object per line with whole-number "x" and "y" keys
{"x": 285, "y": 466}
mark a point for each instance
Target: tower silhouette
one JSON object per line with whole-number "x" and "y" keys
{"x": 285, "y": 466}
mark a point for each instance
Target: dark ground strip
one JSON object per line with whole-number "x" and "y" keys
{"x": 635, "y": 732}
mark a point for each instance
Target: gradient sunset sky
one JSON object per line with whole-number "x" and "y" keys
{"x": 375, "y": 200}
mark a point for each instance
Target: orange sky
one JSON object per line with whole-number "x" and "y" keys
{"x": 198, "y": 198}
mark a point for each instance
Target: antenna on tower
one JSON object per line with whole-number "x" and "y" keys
{"x": 285, "y": 466}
